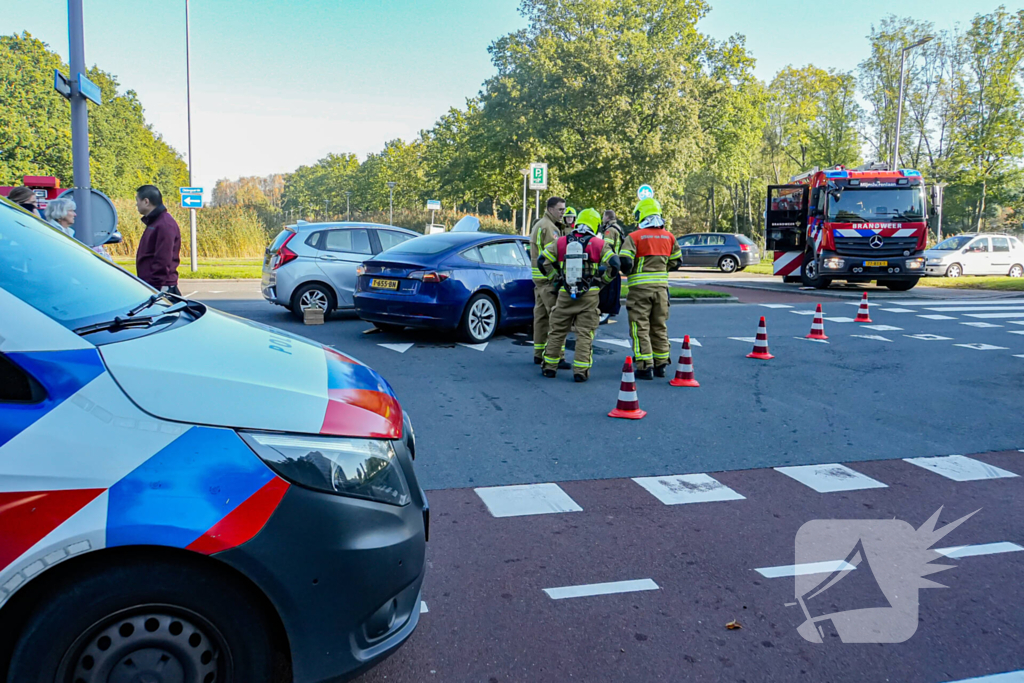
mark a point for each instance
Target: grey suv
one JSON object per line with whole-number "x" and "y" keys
{"x": 725, "y": 251}
{"x": 314, "y": 264}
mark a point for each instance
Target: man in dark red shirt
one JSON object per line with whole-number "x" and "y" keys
{"x": 156, "y": 261}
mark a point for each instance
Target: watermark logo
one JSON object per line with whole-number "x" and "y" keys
{"x": 871, "y": 595}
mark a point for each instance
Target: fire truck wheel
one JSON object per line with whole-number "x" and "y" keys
{"x": 809, "y": 275}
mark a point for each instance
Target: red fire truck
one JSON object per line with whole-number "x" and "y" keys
{"x": 858, "y": 225}
{"x": 46, "y": 188}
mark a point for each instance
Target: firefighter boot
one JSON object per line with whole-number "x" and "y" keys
{"x": 661, "y": 370}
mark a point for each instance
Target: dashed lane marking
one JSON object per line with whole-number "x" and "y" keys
{"x": 874, "y": 337}
{"x": 592, "y": 589}
{"x": 475, "y": 347}
{"x": 401, "y": 348}
{"x": 1016, "y": 322}
{"x": 423, "y": 607}
{"x": 983, "y": 347}
{"x": 991, "y": 316}
{"x": 1018, "y": 355}
{"x": 804, "y": 312}
{"x": 526, "y": 499}
{"x": 959, "y": 551}
{"x": 785, "y": 570}
{"x": 819, "y": 341}
{"x": 899, "y": 310}
{"x": 830, "y": 478}
{"x": 749, "y": 340}
{"x": 1016, "y": 331}
{"x": 928, "y": 337}
{"x": 974, "y": 309}
{"x": 884, "y": 328}
{"x": 775, "y": 305}
{"x": 982, "y": 325}
{"x": 1008, "y": 677}
{"x": 839, "y": 319}
{"x": 936, "y": 316}
{"x": 681, "y": 489}
{"x": 960, "y": 468}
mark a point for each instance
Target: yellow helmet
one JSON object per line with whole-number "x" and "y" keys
{"x": 646, "y": 207}
{"x": 569, "y": 216}
{"x": 589, "y": 218}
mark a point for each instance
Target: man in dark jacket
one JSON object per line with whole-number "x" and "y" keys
{"x": 157, "y": 259}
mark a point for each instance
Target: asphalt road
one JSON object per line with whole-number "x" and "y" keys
{"x": 910, "y": 387}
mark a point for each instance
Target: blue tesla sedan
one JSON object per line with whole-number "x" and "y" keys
{"x": 473, "y": 282}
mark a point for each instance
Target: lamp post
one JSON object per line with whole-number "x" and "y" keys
{"x": 348, "y": 216}
{"x": 79, "y": 123}
{"x": 391, "y": 203}
{"x": 899, "y": 107}
{"x": 193, "y": 251}
{"x": 526, "y": 224}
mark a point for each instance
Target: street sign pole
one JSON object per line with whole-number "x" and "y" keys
{"x": 193, "y": 251}
{"x": 537, "y": 209}
{"x": 79, "y": 124}
{"x": 526, "y": 222}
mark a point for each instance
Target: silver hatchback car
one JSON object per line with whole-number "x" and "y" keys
{"x": 314, "y": 264}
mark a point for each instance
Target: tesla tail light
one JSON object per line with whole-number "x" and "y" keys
{"x": 360, "y": 270}
{"x": 744, "y": 247}
{"x": 358, "y": 468}
{"x": 284, "y": 254}
{"x": 429, "y": 275}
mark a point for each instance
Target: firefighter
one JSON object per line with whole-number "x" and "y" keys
{"x": 568, "y": 220}
{"x": 581, "y": 263}
{"x": 647, "y": 255}
{"x": 545, "y": 231}
{"x": 611, "y": 232}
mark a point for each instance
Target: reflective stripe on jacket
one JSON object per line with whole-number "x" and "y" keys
{"x": 654, "y": 252}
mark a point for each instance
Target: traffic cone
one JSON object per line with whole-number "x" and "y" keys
{"x": 684, "y": 371}
{"x": 628, "y": 405}
{"x": 863, "y": 314}
{"x": 818, "y": 326}
{"x": 760, "y": 351}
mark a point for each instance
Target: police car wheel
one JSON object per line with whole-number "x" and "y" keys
{"x": 142, "y": 621}
{"x": 480, "y": 319}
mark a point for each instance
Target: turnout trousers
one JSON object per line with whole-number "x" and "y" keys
{"x": 544, "y": 298}
{"x": 582, "y": 310}
{"x": 648, "y": 309}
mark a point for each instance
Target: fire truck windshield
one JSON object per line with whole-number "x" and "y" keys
{"x": 877, "y": 205}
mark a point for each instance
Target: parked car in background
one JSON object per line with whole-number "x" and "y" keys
{"x": 314, "y": 264}
{"x": 725, "y": 251}
{"x": 976, "y": 255}
{"x": 472, "y": 282}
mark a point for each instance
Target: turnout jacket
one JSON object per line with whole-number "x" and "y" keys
{"x": 647, "y": 255}
{"x": 545, "y": 232}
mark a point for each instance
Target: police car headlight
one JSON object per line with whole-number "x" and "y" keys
{"x": 360, "y": 468}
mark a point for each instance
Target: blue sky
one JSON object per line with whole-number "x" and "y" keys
{"x": 277, "y": 84}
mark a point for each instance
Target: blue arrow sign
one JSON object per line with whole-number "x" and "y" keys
{"x": 192, "y": 201}
{"x": 89, "y": 90}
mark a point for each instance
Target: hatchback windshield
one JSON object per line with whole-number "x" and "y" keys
{"x": 891, "y": 204}
{"x": 60, "y": 277}
{"x": 953, "y": 243}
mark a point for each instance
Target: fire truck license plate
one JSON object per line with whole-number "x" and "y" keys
{"x": 384, "y": 284}
{"x": 876, "y": 263}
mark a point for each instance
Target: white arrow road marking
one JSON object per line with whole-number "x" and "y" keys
{"x": 616, "y": 342}
{"x": 838, "y": 319}
{"x": 401, "y": 348}
{"x": 981, "y": 325}
{"x": 983, "y": 347}
{"x": 871, "y": 336}
{"x": 937, "y": 317}
{"x": 820, "y": 341}
{"x": 900, "y": 310}
{"x": 804, "y": 312}
{"x": 884, "y": 328}
{"x": 749, "y": 340}
{"x": 475, "y": 347}
{"x": 928, "y": 337}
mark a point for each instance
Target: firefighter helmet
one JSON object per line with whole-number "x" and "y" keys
{"x": 589, "y": 218}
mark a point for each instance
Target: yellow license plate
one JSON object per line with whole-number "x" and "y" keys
{"x": 384, "y": 284}
{"x": 876, "y": 263}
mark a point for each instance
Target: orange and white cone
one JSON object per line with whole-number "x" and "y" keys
{"x": 863, "y": 313}
{"x": 628, "y": 405}
{"x": 818, "y": 326}
{"x": 684, "y": 370}
{"x": 760, "y": 351}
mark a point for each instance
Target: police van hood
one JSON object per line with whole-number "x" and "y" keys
{"x": 226, "y": 371}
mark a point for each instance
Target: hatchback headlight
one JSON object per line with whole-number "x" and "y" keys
{"x": 935, "y": 262}
{"x": 360, "y": 468}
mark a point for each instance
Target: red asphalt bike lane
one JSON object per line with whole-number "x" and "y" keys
{"x": 489, "y": 619}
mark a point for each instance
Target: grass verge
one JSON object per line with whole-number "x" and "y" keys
{"x": 211, "y": 269}
{"x": 1003, "y": 284}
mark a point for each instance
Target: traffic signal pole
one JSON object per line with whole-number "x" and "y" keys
{"x": 79, "y": 125}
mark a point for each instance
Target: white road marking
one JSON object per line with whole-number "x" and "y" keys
{"x": 804, "y": 312}
{"x": 401, "y": 348}
{"x": 775, "y": 305}
{"x": 189, "y": 295}
{"x": 592, "y": 589}
{"x": 899, "y": 310}
{"x": 526, "y": 499}
{"x": 1008, "y": 677}
{"x": 990, "y": 316}
{"x": 475, "y": 347}
{"x": 936, "y": 316}
{"x": 839, "y": 319}
{"x": 749, "y": 340}
{"x": 884, "y": 328}
{"x": 820, "y": 341}
{"x": 981, "y": 325}
{"x": 830, "y": 478}
{"x": 959, "y": 551}
{"x": 826, "y": 567}
{"x": 616, "y": 342}
{"x": 928, "y": 337}
{"x": 874, "y": 337}
{"x": 955, "y": 302}
{"x": 960, "y": 468}
{"x": 1016, "y": 322}
{"x": 1018, "y": 355}
{"x": 1015, "y": 331}
{"x": 423, "y": 607}
{"x": 983, "y": 347}
{"x": 680, "y": 489}
{"x": 693, "y": 342}
{"x": 974, "y": 309}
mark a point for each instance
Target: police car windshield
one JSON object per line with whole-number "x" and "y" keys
{"x": 891, "y": 204}
{"x": 60, "y": 277}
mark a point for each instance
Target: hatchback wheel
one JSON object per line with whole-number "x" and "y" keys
{"x": 728, "y": 264}
{"x": 954, "y": 270}
{"x": 1016, "y": 271}
{"x": 480, "y": 320}
{"x": 313, "y": 295}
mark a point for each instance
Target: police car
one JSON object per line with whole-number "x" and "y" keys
{"x": 162, "y": 518}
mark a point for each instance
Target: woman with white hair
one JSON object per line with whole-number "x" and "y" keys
{"x": 61, "y": 213}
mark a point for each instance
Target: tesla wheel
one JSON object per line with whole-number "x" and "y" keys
{"x": 955, "y": 270}
{"x": 480, "y": 320}
{"x": 313, "y": 295}
{"x": 145, "y": 621}
{"x": 1016, "y": 271}
{"x": 728, "y": 264}
{"x": 809, "y": 275}
{"x": 899, "y": 285}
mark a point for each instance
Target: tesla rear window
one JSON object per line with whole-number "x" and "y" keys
{"x": 428, "y": 244}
